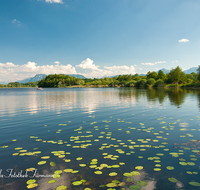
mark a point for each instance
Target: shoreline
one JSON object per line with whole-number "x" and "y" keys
{"x": 105, "y": 86}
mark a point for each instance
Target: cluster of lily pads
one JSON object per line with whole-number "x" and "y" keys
{"x": 130, "y": 147}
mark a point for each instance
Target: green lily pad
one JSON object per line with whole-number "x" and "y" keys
{"x": 82, "y": 165}
{"x": 58, "y": 172}
{"x": 74, "y": 171}
{"x": 79, "y": 158}
{"x": 112, "y": 174}
{"x": 111, "y": 185}
{"x": 172, "y": 179}
{"x": 45, "y": 157}
{"x": 136, "y": 173}
{"x": 30, "y": 186}
{"x": 115, "y": 181}
{"x": 128, "y": 174}
{"x": 170, "y": 167}
{"x": 52, "y": 163}
{"x": 55, "y": 176}
{"x": 42, "y": 162}
{"x": 129, "y": 179}
{"x": 134, "y": 187}
{"x": 52, "y": 181}
{"x": 98, "y": 172}
{"x": 139, "y": 167}
{"x": 61, "y": 187}
{"x": 77, "y": 182}
{"x": 194, "y": 183}
{"x": 68, "y": 170}
{"x": 31, "y": 181}
{"x": 141, "y": 183}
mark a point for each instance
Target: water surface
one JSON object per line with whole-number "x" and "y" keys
{"x": 121, "y": 128}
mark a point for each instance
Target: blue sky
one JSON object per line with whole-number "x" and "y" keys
{"x": 97, "y": 37}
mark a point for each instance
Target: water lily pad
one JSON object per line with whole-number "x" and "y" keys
{"x": 77, "y": 182}
{"x": 98, "y": 172}
{"x": 141, "y": 183}
{"x": 55, "y": 176}
{"x": 134, "y": 187}
{"x": 52, "y": 181}
{"x": 170, "y": 167}
{"x": 42, "y": 162}
{"x": 194, "y": 183}
{"x": 128, "y": 174}
{"x": 58, "y": 172}
{"x": 136, "y": 173}
{"x": 74, "y": 171}
{"x": 68, "y": 170}
{"x": 79, "y": 158}
{"x": 139, "y": 167}
{"x": 129, "y": 179}
{"x": 156, "y": 169}
{"x": 61, "y": 187}
{"x": 172, "y": 179}
{"x": 112, "y": 174}
{"x": 31, "y": 181}
{"x": 111, "y": 185}
{"x": 82, "y": 165}
{"x": 115, "y": 181}
{"x": 52, "y": 163}
{"x": 30, "y": 186}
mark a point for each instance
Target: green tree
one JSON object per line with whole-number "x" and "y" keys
{"x": 150, "y": 82}
{"x": 174, "y": 76}
{"x": 152, "y": 74}
{"x": 161, "y": 75}
{"x": 198, "y": 72}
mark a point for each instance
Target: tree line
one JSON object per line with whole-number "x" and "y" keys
{"x": 176, "y": 77}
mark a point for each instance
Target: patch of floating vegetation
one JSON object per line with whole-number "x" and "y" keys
{"x": 114, "y": 150}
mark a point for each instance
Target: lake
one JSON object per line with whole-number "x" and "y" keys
{"x": 99, "y": 138}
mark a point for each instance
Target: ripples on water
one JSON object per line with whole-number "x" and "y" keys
{"x": 121, "y": 127}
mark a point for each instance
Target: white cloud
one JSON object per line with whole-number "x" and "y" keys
{"x": 184, "y": 40}
{"x": 135, "y": 65}
{"x": 149, "y": 63}
{"x": 111, "y": 71}
{"x": 57, "y": 62}
{"x": 11, "y": 72}
{"x": 176, "y": 61}
{"x": 54, "y": 1}
{"x": 88, "y": 64}
{"x": 16, "y": 22}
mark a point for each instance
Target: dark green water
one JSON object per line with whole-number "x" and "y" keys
{"x": 121, "y": 128}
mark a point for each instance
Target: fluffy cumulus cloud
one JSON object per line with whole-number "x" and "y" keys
{"x": 54, "y": 1}
{"x": 111, "y": 71}
{"x": 11, "y": 72}
{"x": 184, "y": 40}
{"x": 57, "y": 62}
{"x": 176, "y": 61}
{"x": 88, "y": 64}
{"x": 149, "y": 63}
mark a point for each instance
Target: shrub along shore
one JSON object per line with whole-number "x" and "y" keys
{"x": 175, "y": 78}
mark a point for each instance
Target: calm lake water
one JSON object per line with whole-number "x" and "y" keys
{"x": 110, "y": 138}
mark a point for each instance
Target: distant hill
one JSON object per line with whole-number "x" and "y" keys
{"x": 165, "y": 70}
{"x": 39, "y": 77}
{"x": 32, "y": 79}
{"x": 192, "y": 69}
